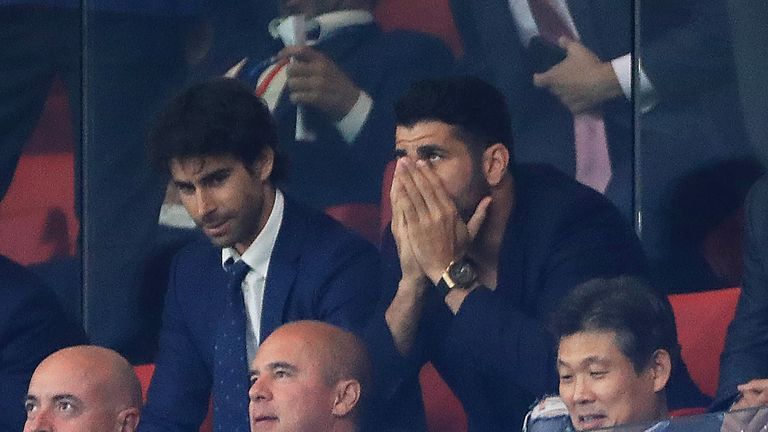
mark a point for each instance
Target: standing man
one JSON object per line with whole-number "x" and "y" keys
{"x": 686, "y": 94}
{"x": 346, "y": 80}
{"x": 310, "y": 376}
{"x": 480, "y": 252}
{"x": 83, "y": 388}
{"x": 285, "y": 262}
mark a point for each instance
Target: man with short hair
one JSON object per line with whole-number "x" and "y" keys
{"x": 82, "y": 388}
{"x": 309, "y": 376}
{"x": 480, "y": 252}
{"x": 272, "y": 260}
{"x": 616, "y": 346}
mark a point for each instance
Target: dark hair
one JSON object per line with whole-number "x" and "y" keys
{"x": 219, "y": 117}
{"x": 641, "y": 318}
{"x": 474, "y": 107}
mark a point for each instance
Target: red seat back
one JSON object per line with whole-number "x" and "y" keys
{"x": 443, "y": 410}
{"x": 702, "y": 323}
{"x": 429, "y": 16}
{"x": 360, "y": 218}
{"x": 385, "y": 208}
{"x": 145, "y": 371}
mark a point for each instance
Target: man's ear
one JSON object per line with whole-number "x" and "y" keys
{"x": 347, "y": 396}
{"x": 264, "y": 164}
{"x": 495, "y": 163}
{"x": 128, "y": 420}
{"x": 661, "y": 369}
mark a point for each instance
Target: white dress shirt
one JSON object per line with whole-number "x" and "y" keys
{"x": 257, "y": 256}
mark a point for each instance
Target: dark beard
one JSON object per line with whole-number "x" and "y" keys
{"x": 476, "y": 190}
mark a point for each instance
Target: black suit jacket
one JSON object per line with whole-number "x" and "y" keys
{"x": 32, "y": 326}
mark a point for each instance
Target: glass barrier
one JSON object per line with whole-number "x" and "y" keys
{"x": 746, "y": 420}
{"x": 82, "y": 81}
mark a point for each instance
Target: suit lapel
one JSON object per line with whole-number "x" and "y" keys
{"x": 282, "y": 270}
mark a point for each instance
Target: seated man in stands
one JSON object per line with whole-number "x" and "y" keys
{"x": 479, "y": 253}
{"x": 83, "y": 388}
{"x": 266, "y": 260}
{"x": 309, "y": 376}
{"x": 616, "y": 347}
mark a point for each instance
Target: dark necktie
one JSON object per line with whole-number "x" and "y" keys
{"x": 593, "y": 164}
{"x": 230, "y": 370}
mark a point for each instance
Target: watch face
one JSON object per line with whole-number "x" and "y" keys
{"x": 463, "y": 273}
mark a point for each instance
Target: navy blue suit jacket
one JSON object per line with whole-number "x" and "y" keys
{"x": 329, "y": 171}
{"x": 318, "y": 270}
{"x": 495, "y": 354}
{"x": 32, "y": 326}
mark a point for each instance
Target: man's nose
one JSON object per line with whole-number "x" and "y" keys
{"x": 582, "y": 391}
{"x": 39, "y": 422}
{"x": 205, "y": 202}
{"x": 260, "y": 390}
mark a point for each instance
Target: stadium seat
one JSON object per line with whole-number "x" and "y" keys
{"x": 360, "y": 218}
{"x": 443, "y": 410}
{"x": 702, "y": 323}
{"x": 145, "y": 371}
{"x": 429, "y": 16}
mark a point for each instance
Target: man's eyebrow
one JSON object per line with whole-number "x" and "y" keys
{"x": 282, "y": 365}
{"x": 64, "y": 396}
{"x": 181, "y": 182}
{"x": 399, "y": 153}
{"x": 429, "y": 149}
{"x": 215, "y": 174}
{"x": 586, "y": 361}
{"x": 30, "y": 398}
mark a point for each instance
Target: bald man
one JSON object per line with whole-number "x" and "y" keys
{"x": 83, "y": 388}
{"x": 309, "y": 376}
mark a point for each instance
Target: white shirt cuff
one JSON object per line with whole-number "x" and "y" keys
{"x": 646, "y": 94}
{"x": 350, "y": 126}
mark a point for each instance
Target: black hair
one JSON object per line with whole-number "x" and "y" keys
{"x": 214, "y": 118}
{"x": 641, "y": 318}
{"x": 476, "y": 109}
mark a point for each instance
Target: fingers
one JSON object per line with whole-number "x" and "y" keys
{"x": 543, "y": 79}
{"x": 566, "y": 43}
{"x": 756, "y": 385}
{"x": 431, "y": 188}
{"x": 424, "y": 189}
{"x": 478, "y": 217}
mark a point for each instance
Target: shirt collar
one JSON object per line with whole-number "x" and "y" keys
{"x": 258, "y": 253}
{"x": 328, "y": 22}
